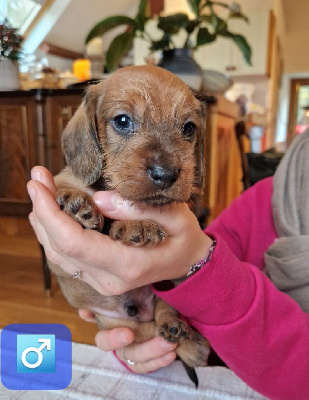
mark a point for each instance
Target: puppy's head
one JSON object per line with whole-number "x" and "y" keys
{"x": 137, "y": 132}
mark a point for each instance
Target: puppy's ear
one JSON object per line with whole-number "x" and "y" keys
{"x": 80, "y": 140}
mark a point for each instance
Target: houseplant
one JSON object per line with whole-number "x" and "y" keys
{"x": 204, "y": 28}
{"x": 10, "y": 53}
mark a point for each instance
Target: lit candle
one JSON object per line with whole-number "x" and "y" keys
{"x": 81, "y": 69}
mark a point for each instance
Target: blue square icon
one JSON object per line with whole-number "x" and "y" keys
{"x": 36, "y": 353}
{"x": 36, "y": 356}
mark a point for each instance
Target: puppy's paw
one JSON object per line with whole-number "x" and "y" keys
{"x": 194, "y": 352}
{"x": 137, "y": 233}
{"x": 80, "y": 206}
{"x": 175, "y": 331}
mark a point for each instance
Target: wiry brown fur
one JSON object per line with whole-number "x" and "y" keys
{"x": 100, "y": 157}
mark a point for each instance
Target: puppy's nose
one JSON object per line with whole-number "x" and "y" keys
{"x": 163, "y": 178}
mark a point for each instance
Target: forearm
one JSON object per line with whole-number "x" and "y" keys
{"x": 261, "y": 333}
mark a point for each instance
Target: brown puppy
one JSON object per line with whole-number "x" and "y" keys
{"x": 135, "y": 133}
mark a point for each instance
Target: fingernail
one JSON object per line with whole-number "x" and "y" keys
{"x": 166, "y": 345}
{"x": 117, "y": 201}
{"x": 31, "y": 191}
{"x": 35, "y": 174}
{"x": 109, "y": 201}
{"x": 169, "y": 357}
{"x": 122, "y": 337}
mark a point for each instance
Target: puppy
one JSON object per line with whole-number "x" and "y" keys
{"x": 135, "y": 133}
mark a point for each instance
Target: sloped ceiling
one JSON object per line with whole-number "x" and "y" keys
{"x": 80, "y": 16}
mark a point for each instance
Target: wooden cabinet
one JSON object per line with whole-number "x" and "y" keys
{"x": 58, "y": 111}
{"x": 31, "y": 124}
{"x": 223, "y": 174}
{"x": 17, "y": 153}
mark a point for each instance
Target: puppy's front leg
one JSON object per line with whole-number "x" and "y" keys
{"x": 137, "y": 233}
{"x": 170, "y": 326}
{"x": 73, "y": 197}
{"x": 193, "y": 348}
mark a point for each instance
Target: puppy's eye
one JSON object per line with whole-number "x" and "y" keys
{"x": 188, "y": 129}
{"x": 123, "y": 124}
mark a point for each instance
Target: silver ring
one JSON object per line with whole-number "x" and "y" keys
{"x": 77, "y": 275}
{"x": 129, "y": 362}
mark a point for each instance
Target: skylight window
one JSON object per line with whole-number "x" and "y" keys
{"x": 21, "y": 13}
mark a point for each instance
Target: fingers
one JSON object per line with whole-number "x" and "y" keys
{"x": 42, "y": 175}
{"x": 149, "y": 356}
{"x": 71, "y": 240}
{"x": 113, "y": 339}
{"x": 74, "y": 249}
{"x": 47, "y": 210}
{"x": 87, "y": 315}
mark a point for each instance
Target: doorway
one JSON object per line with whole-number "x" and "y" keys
{"x": 299, "y": 108}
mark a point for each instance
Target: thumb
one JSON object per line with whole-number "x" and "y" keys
{"x": 172, "y": 216}
{"x": 42, "y": 175}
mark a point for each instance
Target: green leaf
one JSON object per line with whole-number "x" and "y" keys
{"x": 195, "y": 6}
{"x": 163, "y": 44}
{"x": 219, "y": 3}
{"x": 206, "y": 18}
{"x": 218, "y": 23}
{"x": 204, "y": 37}
{"x": 142, "y": 8}
{"x": 172, "y": 23}
{"x": 241, "y": 43}
{"x": 118, "y": 48}
{"x": 140, "y": 22}
{"x": 239, "y": 16}
{"x": 141, "y": 17}
{"x": 192, "y": 24}
{"x": 109, "y": 23}
{"x": 243, "y": 46}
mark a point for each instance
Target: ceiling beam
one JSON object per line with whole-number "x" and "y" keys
{"x": 59, "y": 51}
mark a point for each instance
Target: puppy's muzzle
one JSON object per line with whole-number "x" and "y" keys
{"x": 162, "y": 177}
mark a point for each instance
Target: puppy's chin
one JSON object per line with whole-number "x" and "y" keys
{"x": 157, "y": 201}
{"x": 143, "y": 196}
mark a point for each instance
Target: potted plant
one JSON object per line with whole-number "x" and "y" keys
{"x": 204, "y": 28}
{"x": 10, "y": 53}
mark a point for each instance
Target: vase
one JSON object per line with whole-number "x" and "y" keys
{"x": 181, "y": 63}
{"x": 9, "y": 75}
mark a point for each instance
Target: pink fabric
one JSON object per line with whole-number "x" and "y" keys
{"x": 261, "y": 333}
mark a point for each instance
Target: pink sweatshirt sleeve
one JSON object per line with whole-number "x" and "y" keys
{"x": 260, "y": 333}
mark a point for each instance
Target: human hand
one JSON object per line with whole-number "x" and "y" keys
{"x": 122, "y": 268}
{"x": 148, "y": 357}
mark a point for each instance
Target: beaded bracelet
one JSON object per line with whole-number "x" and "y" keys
{"x": 196, "y": 267}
